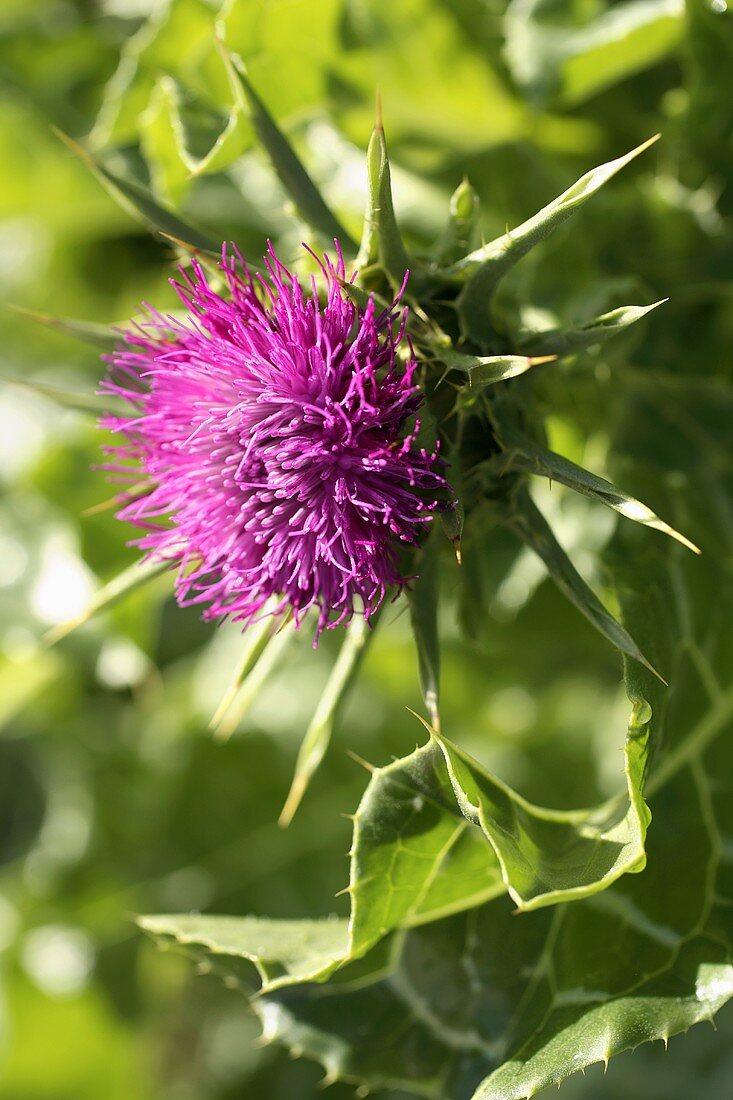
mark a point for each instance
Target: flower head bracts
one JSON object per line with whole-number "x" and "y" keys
{"x": 278, "y": 433}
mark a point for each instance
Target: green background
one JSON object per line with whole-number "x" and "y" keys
{"x": 114, "y": 798}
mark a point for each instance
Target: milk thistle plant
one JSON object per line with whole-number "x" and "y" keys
{"x": 298, "y": 450}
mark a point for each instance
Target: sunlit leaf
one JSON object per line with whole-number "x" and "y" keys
{"x": 423, "y": 599}
{"x": 481, "y": 270}
{"x": 459, "y": 236}
{"x": 525, "y": 454}
{"x": 140, "y": 203}
{"x": 293, "y": 176}
{"x": 567, "y": 341}
{"x": 529, "y": 524}
{"x": 570, "y": 59}
{"x": 105, "y": 337}
{"x": 88, "y": 403}
{"x": 257, "y": 666}
{"x": 110, "y": 594}
{"x": 382, "y": 240}
{"x": 486, "y": 370}
{"x": 318, "y": 735}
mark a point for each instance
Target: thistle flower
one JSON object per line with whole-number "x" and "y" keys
{"x": 278, "y": 434}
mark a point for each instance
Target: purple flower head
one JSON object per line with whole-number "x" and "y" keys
{"x": 277, "y": 434}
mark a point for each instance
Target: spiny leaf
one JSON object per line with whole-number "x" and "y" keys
{"x": 293, "y": 176}
{"x": 462, "y": 228}
{"x": 481, "y": 270}
{"x": 105, "y": 337}
{"x": 529, "y": 524}
{"x": 256, "y": 638}
{"x": 283, "y": 951}
{"x": 487, "y": 370}
{"x": 452, "y": 523}
{"x": 382, "y": 240}
{"x": 524, "y": 454}
{"x": 423, "y": 599}
{"x": 110, "y": 594}
{"x": 247, "y": 686}
{"x": 480, "y": 1001}
{"x": 567, "y": 341}
{"x": 318, "y": 735}
{"x": 139, "y": 202}
{"x": 361, "y": 297}
{"x": 135, "y": 492}
{"x": 418, "y": 324}
{"x": 87, "y": 403}
{"x": 166, "y": 141}
{"x": 445, "y": 836}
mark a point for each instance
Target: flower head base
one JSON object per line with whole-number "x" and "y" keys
{"x": 278, "y": 434}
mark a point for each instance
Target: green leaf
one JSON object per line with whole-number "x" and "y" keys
{"x": 435, "y": 833}
{"x": 177, "y": 40}
{"x": 139, "y": 202}
{"x": 361, "y": 297}
{"x": 486, "y": 1003}
{"x": 257, "y": 665}
{"x": 110, "y": 594}
{"x": 556, "y": 56}
{"x": 87, "y": 403}
{"x": 543, "y": 856}
{"x": 382, "y": 241}
{"x": 459, "y": 235}
{"x": 293, "y": 176}
{"x": 318, "y": 735}
{"x": 283, "y": 951}
{"x": 525, "y": 454}
{"x": 562, "y": 341}
{"x": 530, "y": 525}
{"x": 256, "y": 639}
{"x": 105, "y": 337}
{"x": 423, "y": 600}
{"x": 481, "y": 270}
{"x": 487, "y": 370}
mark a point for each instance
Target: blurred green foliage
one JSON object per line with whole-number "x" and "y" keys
{"x": 115, "y": 797}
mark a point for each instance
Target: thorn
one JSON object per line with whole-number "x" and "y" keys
{"x": 295, "y": 796}
{"x": 433, "y": 730}
{"x": 126, "y": 497}
{"x": 535, "y": 360}
{"x": 349, "y": 817}
{"x": 360, "y": 760}
{"x": 218, "y": 717}
{"x": 457, "y": 548}
{"x": 378, "y": 110}
{"x": 77, "y": 149}
{"x": 192, "y": 250}
{"x": 58, "y": 633}
{"x": 647, "y": 144}
{"x": 346, "y": 890}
